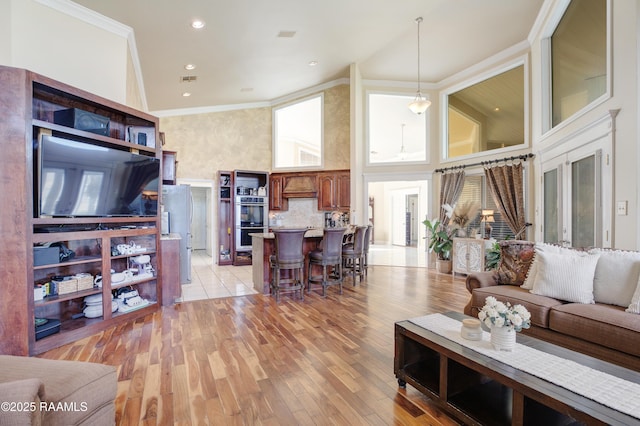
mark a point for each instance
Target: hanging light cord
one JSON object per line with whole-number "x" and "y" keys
{"x": 418, "y": 21}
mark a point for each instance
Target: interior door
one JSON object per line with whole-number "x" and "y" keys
{"x": 412, "y": 206}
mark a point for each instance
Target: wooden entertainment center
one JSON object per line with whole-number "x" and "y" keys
{"x": 28, "y": 102}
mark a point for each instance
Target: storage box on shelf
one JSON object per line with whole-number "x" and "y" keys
{"x": 29, "y": 104}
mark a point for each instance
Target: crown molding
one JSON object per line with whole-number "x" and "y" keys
{"x": 309, "y": 91}
{"x": 266, "y": 104}
{"x": 91, "y": 17}
{"x": 499, "y": 59}
{"x": 209, "y": 109}
{"x": 87, "y": 15}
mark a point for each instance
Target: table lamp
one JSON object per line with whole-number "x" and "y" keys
{"x": 487, "y": 218}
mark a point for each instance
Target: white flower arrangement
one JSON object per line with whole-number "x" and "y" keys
{"x": 499, "y": 314}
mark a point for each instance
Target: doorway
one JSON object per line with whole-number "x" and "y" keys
{"x": 202, "y": 210}
{"x": 405, "y": 214}
{"x": 199, "y": 222}
{"x": 399, "y": 207}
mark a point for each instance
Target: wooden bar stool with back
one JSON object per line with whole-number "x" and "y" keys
{"x": 353, "y": 255}
{"x": 289, "y": 256}
{"x": 329, "y": 256}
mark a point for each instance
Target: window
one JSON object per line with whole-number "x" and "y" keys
{"x": 475, "y": 189}
{"x": 395, "y": 134}
{"x": 297, "y": 134}
{"x": 578, "y": 54}
{"x": 487, "y": 115}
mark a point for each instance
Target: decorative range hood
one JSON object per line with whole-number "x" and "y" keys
{"x": 300, "y": 187}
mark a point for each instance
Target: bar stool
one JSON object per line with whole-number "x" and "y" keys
{"x": 353, "y": 255}
{"x": 367, "y": 243}
{"x": 288, "y": 256}
{"x": 330, "y": 256}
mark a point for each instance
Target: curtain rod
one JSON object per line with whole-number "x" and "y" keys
{"x": 482, "y": 163}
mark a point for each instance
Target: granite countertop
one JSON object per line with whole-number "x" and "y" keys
{"x": 311, "y": 233}
{"x": 171, "y": 236}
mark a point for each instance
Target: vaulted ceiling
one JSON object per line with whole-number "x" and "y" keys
{"x": 241, "y": 59}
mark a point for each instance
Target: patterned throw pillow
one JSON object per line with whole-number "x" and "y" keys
{"x": 515, "y": 259}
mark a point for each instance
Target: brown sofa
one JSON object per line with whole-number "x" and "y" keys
{"x": 47, "y": 392}
{"x": 600, "y": 330}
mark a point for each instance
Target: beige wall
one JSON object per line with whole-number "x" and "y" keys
{"x": 64, "y": 48}
{"x": 241, "y": 139}
{"x": 336, "y": 128}
{"x": 216, "y": 141}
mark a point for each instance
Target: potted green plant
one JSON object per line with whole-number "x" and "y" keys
{"x": 441, "y": 243}
{"x": 493, "y": 257}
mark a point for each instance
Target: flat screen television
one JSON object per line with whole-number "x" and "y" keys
{"x": 78, "y": 179}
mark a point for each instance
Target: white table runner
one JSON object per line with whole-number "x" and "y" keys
{"x": 614, "y": 392}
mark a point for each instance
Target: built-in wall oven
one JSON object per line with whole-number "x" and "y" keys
{"x": 251, "y": 218}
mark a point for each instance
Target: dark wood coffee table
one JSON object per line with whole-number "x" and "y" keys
{"x": 478, "y": 390}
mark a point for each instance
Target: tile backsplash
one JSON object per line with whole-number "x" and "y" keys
{"x": 303, "y": 212}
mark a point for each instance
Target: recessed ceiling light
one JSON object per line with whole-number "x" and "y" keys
{"x": 186, "y": 94}
{"x": 286, "y": 34}
{"x": 189, "y": 67}
{"x": 496, "y": 109}
{"x": 197, "y": 24}
{"x": 313, "y": 63}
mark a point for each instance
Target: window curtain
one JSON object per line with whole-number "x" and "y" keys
{"x": 451, "y": 185}
{"x": 506, "y": 185}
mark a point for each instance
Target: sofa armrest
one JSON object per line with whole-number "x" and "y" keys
{"x": 478, "y": 280}
{"x": 481, "y": 279}
{"x": 24, "y": 397}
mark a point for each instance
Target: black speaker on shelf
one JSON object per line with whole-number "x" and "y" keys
{"x": 82, "y": 120}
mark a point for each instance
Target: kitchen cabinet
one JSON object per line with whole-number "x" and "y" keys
{"x": 334, "y": 190}
{"x": 169, "y": 167}
{"x": 225, "y": 218}
{"x": 276, "y": 200}
{"x": 170, "y": 268}
{"x": 251, "y": 211}
{"x": 468, "y": 255}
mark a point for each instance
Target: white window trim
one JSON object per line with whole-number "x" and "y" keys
{"x": 545, "y": 64}
{"x": 367, "y": 146}
{"x": 274, "y": 136}
{"x": 444, "y": 110}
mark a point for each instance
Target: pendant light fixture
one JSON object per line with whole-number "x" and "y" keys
{"x": 419, "y": 104}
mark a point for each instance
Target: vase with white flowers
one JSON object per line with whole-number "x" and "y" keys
{"x": 504, "y": 320}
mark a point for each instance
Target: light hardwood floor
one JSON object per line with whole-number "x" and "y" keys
{"x": 249, "y": 361}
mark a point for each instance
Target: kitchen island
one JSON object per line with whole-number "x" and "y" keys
{"x": 264, "y": 245}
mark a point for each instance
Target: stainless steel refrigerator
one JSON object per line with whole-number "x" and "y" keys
{"x": 176, "y": 200}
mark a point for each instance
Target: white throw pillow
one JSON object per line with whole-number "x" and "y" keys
{"x": 634, "y": 307}
{"x": 565, "y": 276}
{"x": 547, "y": 248}
{"x": 616, "y": 276}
